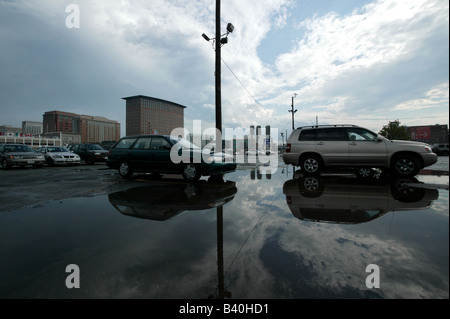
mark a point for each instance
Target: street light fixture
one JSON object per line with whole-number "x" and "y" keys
{"x": 206, "y": 37}
{"x": 230, "y": 28}
{"x": 223, "y": 38}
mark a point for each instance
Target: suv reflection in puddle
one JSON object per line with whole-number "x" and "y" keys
{"x": 345, "y": 200}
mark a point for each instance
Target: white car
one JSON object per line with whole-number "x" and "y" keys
{"x": 57, "y": 155}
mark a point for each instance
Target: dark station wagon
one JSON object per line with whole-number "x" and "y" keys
{"x": 153, "y": 154}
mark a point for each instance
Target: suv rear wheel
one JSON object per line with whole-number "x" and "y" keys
{"x": 311, "y": 164}
{"x": 364, "y": 172}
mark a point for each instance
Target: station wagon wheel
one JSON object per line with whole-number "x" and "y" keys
{"x": 125, "y": 170}
{"x": 405, "y": 165}
{"x": 190, "y": 172}
{"x": 311, "y": 164}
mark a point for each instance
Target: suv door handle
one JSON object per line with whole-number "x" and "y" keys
{"x": 353, "y": 143}
{"x": 319, "y": 143}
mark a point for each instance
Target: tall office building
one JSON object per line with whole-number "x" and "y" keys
{"x": 149, "y": 115}
{"x": 93, "y": 129}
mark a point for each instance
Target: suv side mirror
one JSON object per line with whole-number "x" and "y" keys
{"x": 379, "y": 138}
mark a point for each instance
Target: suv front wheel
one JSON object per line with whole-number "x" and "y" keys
{"x": 405, "y": 165}
{"x": 311, "y": 164}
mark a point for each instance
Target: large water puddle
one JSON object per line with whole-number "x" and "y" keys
{"x": 252, "y": 236}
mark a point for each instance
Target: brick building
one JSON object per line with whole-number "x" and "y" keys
{"x": 149, "y": 115}
{"x": 93, "y": 129}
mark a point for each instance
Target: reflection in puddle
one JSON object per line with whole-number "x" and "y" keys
{"x": 352, "y": 200}
{"x": 250, "y": 238}
{"x": 166, "y": 200}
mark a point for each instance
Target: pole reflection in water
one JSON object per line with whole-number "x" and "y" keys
{"x": 221, "y": 293}
{"x": 167, "y": 200}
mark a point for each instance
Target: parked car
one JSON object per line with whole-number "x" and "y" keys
{"x": 440, "y": 149}
{"x": 152, "y": 154}
{"x": 19, "y": 155}
{"x": 90, "y": 153}
{"x": 57, "y": 155}
{"x": 315, "y": 148}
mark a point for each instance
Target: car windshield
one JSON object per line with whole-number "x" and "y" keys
{"x": 18, "y": 148}
{"x": 184, "y": 143}
{"x": 94, "y": 147}
{"x": 57, "y": 149}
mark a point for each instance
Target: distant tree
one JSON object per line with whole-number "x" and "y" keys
{"x": 395, "y": 131}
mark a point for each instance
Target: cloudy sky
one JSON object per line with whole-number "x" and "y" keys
{"x": 348, "y": 61}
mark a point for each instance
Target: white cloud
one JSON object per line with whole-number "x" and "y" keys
{"x": 436, "y": 97}
{"x": 370, "y": 42}
{"x": 347, "y": 66}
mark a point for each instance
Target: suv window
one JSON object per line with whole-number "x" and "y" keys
{"x": 125, "y": 143}
{"x": 360, "y": 134}
{"x": 323, "y": 134}
{"x": 332, "y": 134}
{"x": 307, "y": 135}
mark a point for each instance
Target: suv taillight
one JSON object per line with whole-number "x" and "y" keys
{"x": 288, "y": 148}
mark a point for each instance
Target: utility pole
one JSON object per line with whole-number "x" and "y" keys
{"x": 218, "y": 81}
{"x": 218, "y": 41}
{"x": 293, "y": 111}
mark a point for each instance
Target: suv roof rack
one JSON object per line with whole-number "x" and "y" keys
{"x": 331, "y": 125}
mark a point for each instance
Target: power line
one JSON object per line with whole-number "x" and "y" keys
{"x": 253, "y": 97}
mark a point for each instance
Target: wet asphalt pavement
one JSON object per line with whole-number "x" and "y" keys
{"x": 253, "y": 236}
{"x": 22, "y": 187}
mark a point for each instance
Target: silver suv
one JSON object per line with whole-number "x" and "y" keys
{"x": 314, "y": 148}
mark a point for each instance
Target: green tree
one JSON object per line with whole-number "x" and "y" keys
{"x": 395, "y": 131}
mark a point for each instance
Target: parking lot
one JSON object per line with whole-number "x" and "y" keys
{"x": 282, "y": 236}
